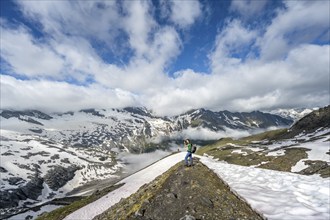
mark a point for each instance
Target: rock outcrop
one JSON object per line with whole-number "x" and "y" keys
{"x": 315, "y": 120}
{"x": 59, "y": 176}
{"x": 32, "y": 190}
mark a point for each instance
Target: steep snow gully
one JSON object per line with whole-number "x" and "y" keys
{"x": 274, "y": 194}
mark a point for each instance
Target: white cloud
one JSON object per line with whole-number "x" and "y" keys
{"x": 74, "y": 25}
{"x": 248, "y": 8}
{"x": 230, "y": 41}
{"x": 144, "y": 74}
{"x": 27, "y": 56}
{"x": 138, "y": 24}
{"x": 184, "y": 13}
{"x": 135, "y": 162}
{"x": 53, "y": 96}
{"x": 299, "y": 22}
{"x": 99, "y": 20}
{"x": 299, "y": 80}
{"x": 206, "y": 134}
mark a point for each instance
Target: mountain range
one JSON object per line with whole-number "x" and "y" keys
{"x": 131, "y": 129}
{"x": 45, "y": 155}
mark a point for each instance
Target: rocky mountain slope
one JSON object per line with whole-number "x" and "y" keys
{"x": 303, "y": 148}
{"x": 34, "y": 169}
{"x": 130, "y": 129}
{"x": 292, "y": 114}
{"x": 316, "y": 120}
{"x": 222, "y": 120}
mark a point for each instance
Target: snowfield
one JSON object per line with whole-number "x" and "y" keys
{"x": 274, "y": 194}
{"x": 29, "y": 153}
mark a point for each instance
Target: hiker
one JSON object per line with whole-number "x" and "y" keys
{"x": 189, "y": 154}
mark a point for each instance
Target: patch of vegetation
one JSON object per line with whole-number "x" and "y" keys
{"x": 225, "y": 147}
{"x": 286, "y": 161}
{"x": 249, "y": 158}
{"x": 62, "y": 212}
{"x": 268, "y": 135}
{"x": 210, "y": 147}
{"x": 246, "y": 141}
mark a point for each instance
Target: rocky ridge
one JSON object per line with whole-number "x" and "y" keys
{"x": 315, "y": 120}
{"x": 183, "y": 193}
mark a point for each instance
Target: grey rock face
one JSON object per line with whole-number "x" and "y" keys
{"x": 19, "y": 114}
{"x": 318, "y": 119}
{"x": 15, "y": 180}
{"x": 59, "y": 176}
{"x": 3, "y": 170}
{"x": 217, "y": 121}
{"x": 93, "y": 112}
{"x": 32, "y": 190}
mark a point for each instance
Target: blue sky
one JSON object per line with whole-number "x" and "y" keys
{"x": 170, "y": 56}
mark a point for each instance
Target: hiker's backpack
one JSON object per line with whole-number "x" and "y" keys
{"x": 193, "y": 148}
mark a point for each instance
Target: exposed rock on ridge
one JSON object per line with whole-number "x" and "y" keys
{"x": 182, "y": 193}
{"x": 318, "y": 119}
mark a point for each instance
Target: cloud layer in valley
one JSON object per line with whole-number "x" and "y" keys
{"x": 170, "y": 56}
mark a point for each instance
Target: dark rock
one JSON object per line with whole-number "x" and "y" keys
{"x": 42, "y": 153}
{"x": 24, "y": 166}
{"x": 38, "y": 131}
{"x": 103, "y": 158}
{"x": 51, "y": 195}
{"x": 32, "y": 190}
{"x": 8, "y": 153}
{"x": 30, "y": 120}
{"x": 28, "y": 217}
{"x": 93, "y": 112}
{"x": 66, "y": 113}
{"x": 15, "y": 180}
{"x": 3, "y": 170}
{"x": 20, "y": 114}
{"x": 138, "y": 111}
{"x": 55, "y": 157}
{"x": 26, "y": 148}
{"x": 316, "y": 167}
{"x": 207, "y": 202}
{"x": 65, "y": 160}
{"x": 58, "y": 176}
{"x": 41, "y": 162}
